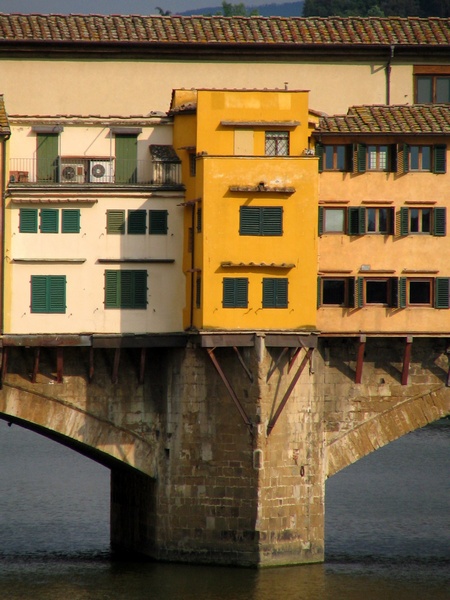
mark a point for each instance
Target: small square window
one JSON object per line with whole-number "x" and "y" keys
{"x": 277, "y": 143}
{"x": 334, "y": 220}
{"x": 419, "y": 292}
{"x": 334, "y": 292}
{"x": 275, "y": 293}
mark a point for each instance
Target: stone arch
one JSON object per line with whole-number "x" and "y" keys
{"x": 406, "y": 416}
{"x": 75, "y": 427}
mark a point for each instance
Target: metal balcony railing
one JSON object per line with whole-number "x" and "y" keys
{"x": 73, "y": 170}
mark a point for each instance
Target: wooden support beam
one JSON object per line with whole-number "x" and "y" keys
{"x": 294, "y": 358}
{"x": 142, "y": 365}
{"x": 360, "y": 358}
{"x": 59, "y": 364}
{"x": 407, "y": 360}
{"x": 37, "y": 354}
{"x": 289, "y": 391}
{"x": 244, "y": 366}
{"x": 91, "y": 364}
{"x": 230, "y": 389}
{"x": 115, "y": 372}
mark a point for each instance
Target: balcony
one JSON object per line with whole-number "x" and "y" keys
{"x": 93, "y": 171}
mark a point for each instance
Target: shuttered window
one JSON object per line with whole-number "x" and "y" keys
{"x": 431, "y": 221}
{"x": 158, "y": 222}
{"x": 259, "y": 220}
{"x": 235, "y": 292}
{"x": 28, "y": 220}
{"x": 442, "y": 292}
{"x": 126, "y": 289}
{"x": 48, "y": 294}
{"x": 275, "y": 293}
{"x": 137, "y": 222}
{"x": 70, "y": 220}
{"x": 115, "y": 222}
{"x": 49, "y": 220}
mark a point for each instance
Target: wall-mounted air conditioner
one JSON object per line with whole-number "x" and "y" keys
{"x": 101, "y": 171}
{"x": 72, "y": 172}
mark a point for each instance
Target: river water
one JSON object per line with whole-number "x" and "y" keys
{"x": 387, "y": 532}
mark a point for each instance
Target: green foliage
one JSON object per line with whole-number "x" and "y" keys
{"x": 163, "y": 13}
{"x": 236, "y": 10}
{"x": 376, "y": 8}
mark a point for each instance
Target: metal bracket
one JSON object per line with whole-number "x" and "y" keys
{"x": 232, "y": 393}
{"x": 244, "y": 366}
{"x": 289, "y": 391}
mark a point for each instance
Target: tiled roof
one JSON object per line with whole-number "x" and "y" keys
{"x": 199, "y": 30}
{"x": 4, "y": 124}
{"x": 409, "y": 119}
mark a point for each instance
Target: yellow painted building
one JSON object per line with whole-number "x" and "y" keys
{"x": 250, "y": 216}
{"x": 383, "y": 252}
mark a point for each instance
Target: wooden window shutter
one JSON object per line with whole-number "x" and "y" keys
{"x": 281, "y": 293}
{"x": 360, "y": 292}
{"x": 112, "y": 289}
{"x": 439, "y": 159}
{"x": 249, "y": 221}
{"x": 38, "y": 293}
{"x": 115, "y": 222}
{"x": 320, "y": 220}
{"x": 70, "y": 220}
{"x": 440, "y": 221}
{"x": 268, "y": 300}
{"x": 140, "y": 288}
{"x": 275, "y": 293}
{"x": 241, "y": 292}
{"x": 199, "y": 219}
{"x": 402, "y": 292}
{"x": 56, "y": 293}
{"x": 272, "y": 220}
{"x": 442, "y": 289}
{"x": 49, "y": 220}
{"x": 137, "y": 222}
{"x": 357, "y": 220}
{"x": 403, "y": 159}
{"x": 404, "y": 221}
{"x": 228, "y": 292}
{"x": 28, "y": 220}
{"x": 319, "y": 292}
{"x": 361, "y": 158}
{"x": 235, "y": 292}
{"x": 158, "y": 222}
{"x": 319, "y": 154}
{"x": 198, "y": 292}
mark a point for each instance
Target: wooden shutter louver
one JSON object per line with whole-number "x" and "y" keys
{"x": 115, "y": 222}
{"x": 404, "y": 221}
{"x": 439, "y": 159}
{"x": 442, "y": 290}
{"x": 158, "y": 222}
{"x": 272, "y": 219}
{"x": 357, "y": 220}
{"x": 137, "y": 222}
{"x": 112, "y": 294}
{"x": 402, "y": 292}
{"x": 70, "y": 220}
{"x": 440, "y": 221}
{"x": 28, "y": 220}
{"x": 49, "y": 220}
{"x": 319, "y": 154}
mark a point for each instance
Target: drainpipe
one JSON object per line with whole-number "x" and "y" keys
{"x": 388, "y": 75}
{"x": 2, "y": 229}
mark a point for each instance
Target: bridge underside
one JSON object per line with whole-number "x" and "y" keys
{"x": 219, "y": 449}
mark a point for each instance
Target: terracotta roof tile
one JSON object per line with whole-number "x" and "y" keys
{"x": 200, "y": 30}
{"x": 4, "y": 123}
{"x": 407, "y": 119}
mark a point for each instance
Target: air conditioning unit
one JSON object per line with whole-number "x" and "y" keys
{"x": 101, "y": 171}
{"x": 72, "y": 173}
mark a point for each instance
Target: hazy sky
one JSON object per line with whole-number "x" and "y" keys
{"x": 143, "y": 7}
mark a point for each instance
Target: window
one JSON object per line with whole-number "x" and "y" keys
{"x": 420, "y": 158}
{"x": 258, "y": 220}
{"x": 48, "y": 294}
{"x": 331, "y": 220}
{"x": 277, "y": 143}
{"x": 415, "y": 292}
{"x": 115, "y": 222}
{"x": 378, "y": 291}
{"x": 362, "y": 220}
{"x": 333, "y": 157}
{"x": 158, "y": 222}
{"x": 198, "y": 291}
{"x": 192, "y": 164}
{"x": 49, "y": 220}
{"x": 377, "y": 158}
{"x": 432, "y": 221}
{"x": 432, "y": 89}
{"x": 423, "y": 158}
{"x": 275, "y": 293}
{"x": 126, "y": 289}
{"x": 235, "y": 292}
{"x": 137, "y": 222}
{"x": 199, "y": 219}
{"x": 336, "y": 291}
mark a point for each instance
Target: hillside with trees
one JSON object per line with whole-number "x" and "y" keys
{"x": 376, "y": 8}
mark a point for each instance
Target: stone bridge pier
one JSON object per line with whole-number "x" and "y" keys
{"x": 219, "y": 445}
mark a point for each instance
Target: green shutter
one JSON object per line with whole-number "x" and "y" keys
{"x": 320, "y": 220}
{"x": 360, "y": 292}
{"x": 235, "y": 292}
{"x": 137, "y": 222}
{"x": 442, "y": 289}
{"x": 199, "y": 219}
{"x": 126, "y": 289}
{"x": 48, "y": 294}
{"x": 275, "y": 293}
{"x": 402, "y": 292}
{"x": 198, "y": 292}
{"x": 228, "y": 293}
{"x": 115, "y": 222}
{"x": 319, "y": 154}
{"x": 405, "y": 158}
{"x": 126, "y": 159}
{"x": 70, "y": 220}
{"x": 158, "y": 222}
{"x": 319, "y": 292}
{"x": 357, "y": 220}
{"x": 140, "y": 289}
{"x": 361, "y": 158}
{"x": 439, "y": 159}
{"x": 112, "y": 287}
{"x": 47, "y": 156}
{"x": 268, "y": 299}
{"x": 49, "y": 220}
{"x": 404, "y": 221}
{"x": 28, "y": 220}
{"x": 249, "y": 221}
{"x": 272, "y": 220}
{"x": 440, "y": 221}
